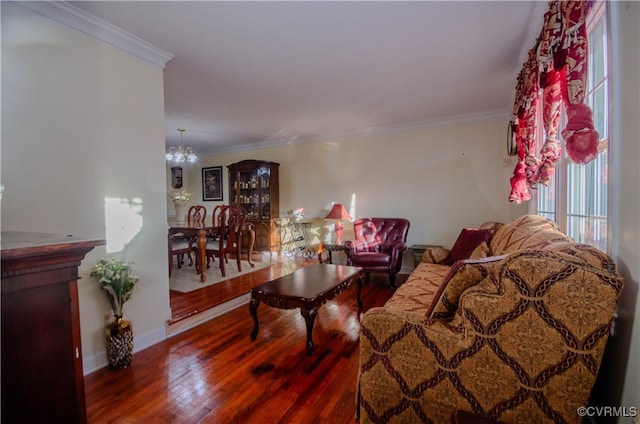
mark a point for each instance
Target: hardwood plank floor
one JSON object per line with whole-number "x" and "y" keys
{"x": 184, "y": 305}
{"x": 213, "y": 373}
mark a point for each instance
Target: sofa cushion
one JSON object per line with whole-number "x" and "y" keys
{"x": 415, "y": 294}
{"x": 462, "y": 275}
{"x": 526, "y": 232}
{"x": 465, "y": 244}
{"x": 585, "y": 253}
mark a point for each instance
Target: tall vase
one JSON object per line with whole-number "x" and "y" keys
{"x": 119, "y": 344}
{"x": 181, "y": 213}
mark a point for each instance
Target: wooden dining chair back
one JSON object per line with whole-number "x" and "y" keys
{"x": 218, "y": 218}
{"x": 236, "y": 217}
{"x": 230, "y": 221}
{"x": 196, "y": 216}
{"x": 179, "y": 245}
{"x": 215, "y": 242}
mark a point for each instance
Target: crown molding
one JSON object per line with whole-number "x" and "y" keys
{"x": 86, "y": 23}
{"x": 447, "y": 121}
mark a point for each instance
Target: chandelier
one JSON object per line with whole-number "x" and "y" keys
{"x": 180, "y": 154}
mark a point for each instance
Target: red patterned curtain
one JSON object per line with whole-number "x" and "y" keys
{"x": 558, "y": 66}
{"x": 580, "y": 137}
{"x": 525, "y": 118}
{"x": 552, "y": 78}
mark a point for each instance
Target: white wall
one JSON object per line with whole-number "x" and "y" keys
{"x": 441, "y": 179}
{"x": 82, "y": 121}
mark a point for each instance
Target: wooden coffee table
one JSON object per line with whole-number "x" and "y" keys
{"x": 307, "y": 288}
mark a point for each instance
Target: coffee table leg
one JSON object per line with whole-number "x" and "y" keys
{"x": 253, "y": 309}
{"x": 360, "y": 283}
{"x": 309, "y": 318}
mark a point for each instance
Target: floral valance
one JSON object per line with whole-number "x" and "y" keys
{"x": 555, "y": 72}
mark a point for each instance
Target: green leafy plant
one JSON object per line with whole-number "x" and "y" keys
{"x": 116, "y": 279}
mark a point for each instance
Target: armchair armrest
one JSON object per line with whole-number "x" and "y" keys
{"x": 398, "y": 246}
{"x": 354, "y": 246}
{"x": 396, "y": 250}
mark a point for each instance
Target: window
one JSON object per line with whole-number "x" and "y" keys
{"x": 577, "y": 197}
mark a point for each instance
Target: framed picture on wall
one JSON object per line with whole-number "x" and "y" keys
{"x": 212, "y": 183}
{"x": 176, "y": 177}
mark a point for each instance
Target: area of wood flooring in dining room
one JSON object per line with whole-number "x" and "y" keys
{"x": 185, "y": 305}
{"x": 214, "y": 373}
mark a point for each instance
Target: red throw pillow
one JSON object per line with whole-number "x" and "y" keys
{"x": 467, "y": 241}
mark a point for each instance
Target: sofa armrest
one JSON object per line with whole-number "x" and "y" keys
{"x": 525, "y": 341}
{"x": 435, "y": 255}
{"x": 402, "y": 355}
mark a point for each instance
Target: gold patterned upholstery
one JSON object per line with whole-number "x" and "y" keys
{"x": 520, "y": 338}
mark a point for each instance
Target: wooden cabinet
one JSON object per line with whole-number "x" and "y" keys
{"x": 42, "y": 377}
{"x": 254, "y": 185}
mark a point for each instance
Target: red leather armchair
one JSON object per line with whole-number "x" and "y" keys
{"x": 378, "y": 246}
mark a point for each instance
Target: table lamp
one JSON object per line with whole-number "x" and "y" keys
{"x": 339, "y": 213}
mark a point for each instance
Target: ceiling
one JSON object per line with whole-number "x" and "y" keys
{"x": 247, "y": 75}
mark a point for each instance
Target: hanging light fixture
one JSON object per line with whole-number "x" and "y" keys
{"x": 180, "y": 154}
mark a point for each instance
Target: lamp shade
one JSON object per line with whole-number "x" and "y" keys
{"x": 338, "y": 211}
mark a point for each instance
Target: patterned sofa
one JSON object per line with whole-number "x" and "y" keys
{"x": 516, "y": 337}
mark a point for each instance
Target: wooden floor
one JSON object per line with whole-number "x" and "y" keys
{"x": 184, "y": 305}
{"x": 213, "y": 373}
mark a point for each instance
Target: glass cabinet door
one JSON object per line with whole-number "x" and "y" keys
{"x": 254, "y": 185}
{"x": 248, "y": 192}
{"x": 265, "y": 205}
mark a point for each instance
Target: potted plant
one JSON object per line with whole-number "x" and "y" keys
{"x": 116, "y": 280}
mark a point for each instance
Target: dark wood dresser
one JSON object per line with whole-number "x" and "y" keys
{"x": 42, "y": 377}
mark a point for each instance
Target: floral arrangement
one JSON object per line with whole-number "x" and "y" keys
{"x": 296, "y": 213}
{"x": 115, "y": 279}
{"x": 180, "y": 196}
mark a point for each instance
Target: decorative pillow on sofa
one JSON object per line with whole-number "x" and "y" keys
{"x": 467, "y": 241}
{"x": 462, "y": 275}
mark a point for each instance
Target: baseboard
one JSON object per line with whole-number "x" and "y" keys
{"x": 201, "y": 317}
{"x": 92, "y": 363}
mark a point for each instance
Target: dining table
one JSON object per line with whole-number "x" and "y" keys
{"x": 202, "y": 233}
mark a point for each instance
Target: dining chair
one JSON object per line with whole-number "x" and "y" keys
{"x": 179, "y": 245}
{"x": 235, "y": 220}
{"x": 215, "y": 242}
{"x": 196, "y": 216}
{"x": 230, "y": 220}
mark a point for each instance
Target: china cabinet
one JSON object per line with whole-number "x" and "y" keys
{"x": 254, "y": 185}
